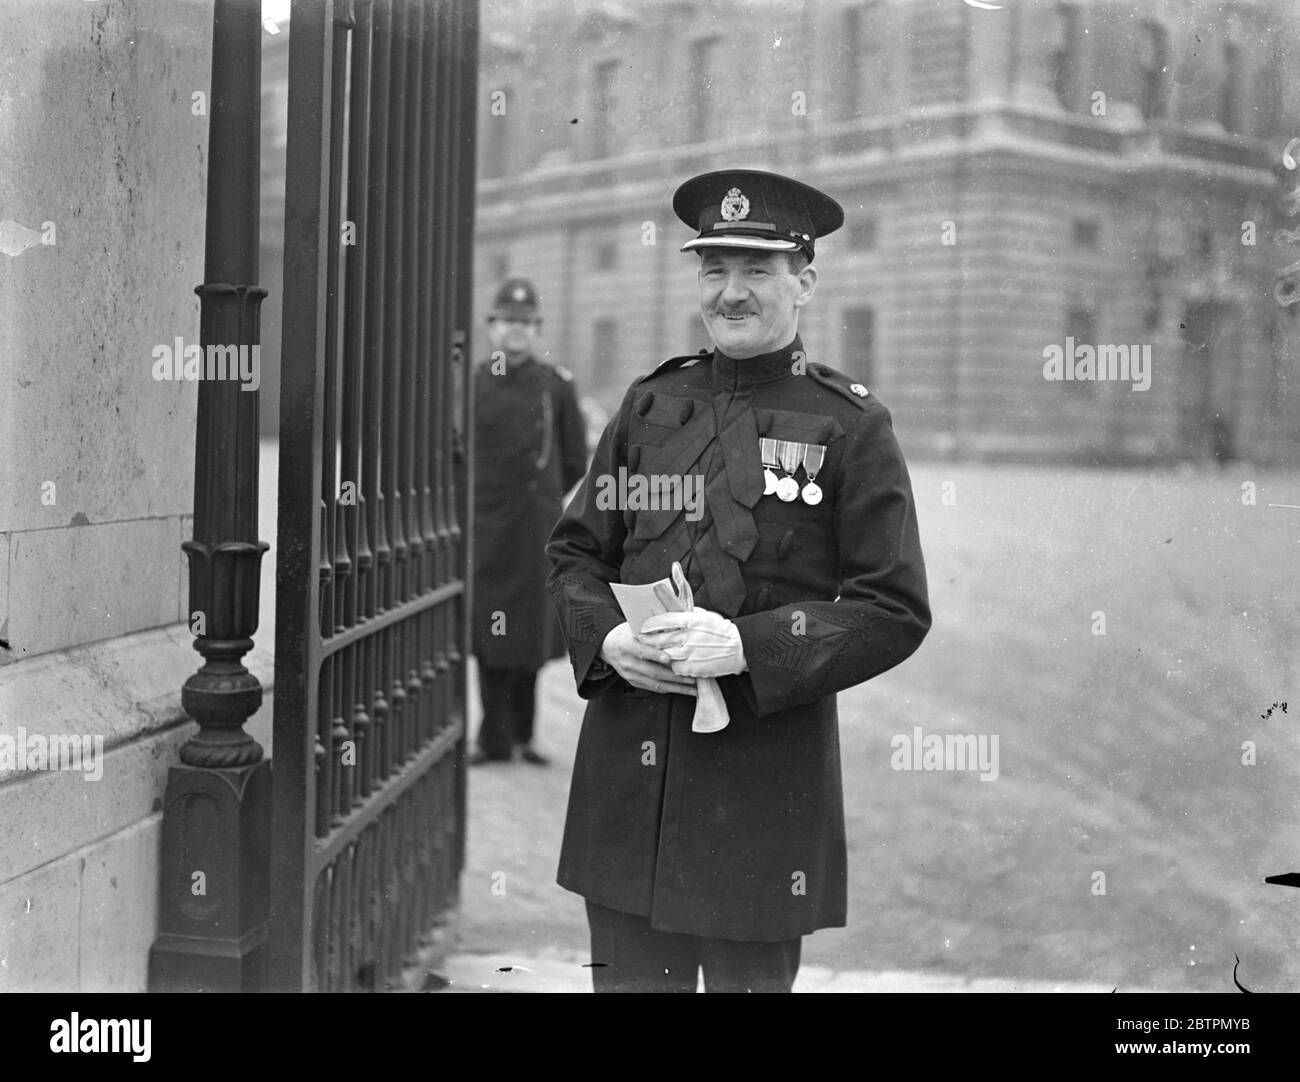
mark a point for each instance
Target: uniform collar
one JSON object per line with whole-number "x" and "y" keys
{"x": 730, "y": 373}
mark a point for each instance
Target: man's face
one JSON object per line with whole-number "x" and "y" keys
{"x": 750, "y": 301}
{"x": 514, "y": 335}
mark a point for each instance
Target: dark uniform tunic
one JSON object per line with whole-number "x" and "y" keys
{"x": 530, "y": 449}
{"x": 737, "y": 834}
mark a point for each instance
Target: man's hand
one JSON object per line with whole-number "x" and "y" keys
{"x": 700, "y": 642}
{"x": 643, "y": 666}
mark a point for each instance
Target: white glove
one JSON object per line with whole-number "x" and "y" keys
{"x": 700, "y": 642}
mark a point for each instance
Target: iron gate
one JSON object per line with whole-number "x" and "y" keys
{"x": 371, "y": 589}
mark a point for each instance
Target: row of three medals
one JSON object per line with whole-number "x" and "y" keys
{"x": 789, "y": 455}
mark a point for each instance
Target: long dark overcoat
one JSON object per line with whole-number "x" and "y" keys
{"x": 737, "y": 834}
{"x": 530, "y": 449}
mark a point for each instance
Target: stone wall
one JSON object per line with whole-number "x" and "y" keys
{"x": 103, "y": 162}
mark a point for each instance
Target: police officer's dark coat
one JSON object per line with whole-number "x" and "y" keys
{"x": 737, "y": 834}
{"x": 530, "y": 449}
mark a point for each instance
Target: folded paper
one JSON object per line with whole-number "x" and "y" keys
{"x": 673, "y": 594}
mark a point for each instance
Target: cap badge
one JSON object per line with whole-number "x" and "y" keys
{"x": 735, "y": 206}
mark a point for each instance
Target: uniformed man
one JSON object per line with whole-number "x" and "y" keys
{"x": 530, "y": 449}
{"x": 720, "y": 850}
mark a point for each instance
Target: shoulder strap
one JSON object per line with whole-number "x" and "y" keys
{"x": 841, "y": 384}
{"x": 671, "y": 363}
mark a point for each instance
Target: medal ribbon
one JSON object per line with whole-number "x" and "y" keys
{"x": 813, "y": 457}
{"x": 788, "y": 453}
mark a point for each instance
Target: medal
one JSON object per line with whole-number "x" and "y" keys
{"x": 787, "y": 452}
{"x": 813, "y": 457}
{"x": 769, "y": 460}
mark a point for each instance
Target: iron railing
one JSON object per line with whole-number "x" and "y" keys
{"x": 371, "y": 584}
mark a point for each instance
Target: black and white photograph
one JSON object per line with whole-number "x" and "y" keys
{"x": 506, "y": 497}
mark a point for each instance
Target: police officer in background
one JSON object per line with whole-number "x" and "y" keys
{"x": 530, "y": 449}
{"x": 719, "y": 850}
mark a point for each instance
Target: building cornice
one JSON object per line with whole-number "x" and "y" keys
{"x": 618, "y": 187}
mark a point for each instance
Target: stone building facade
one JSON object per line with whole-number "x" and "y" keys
{"x": 1107, "y": 172}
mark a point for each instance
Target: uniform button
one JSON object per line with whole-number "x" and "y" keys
{"x": 858, "y": 390}
{"x": 764, "y": 596}
{"x": 787, "y": 543}
{"x": 645, "y": 402}
{"x": 688, "y": 408}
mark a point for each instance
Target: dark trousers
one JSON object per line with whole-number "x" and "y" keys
{"x": 629, "y": 956}
{"x": 509, "y": 699}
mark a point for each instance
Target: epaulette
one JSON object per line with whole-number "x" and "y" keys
{"x": 855, "y": 392}
{"x": 671, "y": 363}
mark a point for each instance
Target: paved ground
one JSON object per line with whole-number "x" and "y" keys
{"x": 1125, "y": 840}
{"x": 520, "y": 932}
{"x": 560, "y": 971}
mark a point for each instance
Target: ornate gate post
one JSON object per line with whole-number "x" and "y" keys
{"x": 217, "y": 811}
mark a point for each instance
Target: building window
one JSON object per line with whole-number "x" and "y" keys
{"x": 604, "y": 351}
{"x": 861, "y": 47}
{"x": 606, "y": 256}
{"x": 1203, "y": 244}
{"x": 703, "y": 112}
{"x": 1154, "y": 61}
{"x": 603, "y": 105}
{"x": 1084, "y": 233}
{"x": 1230, "y": 106}
{"x": 858, "y": 343}
{"x": 1065, "y": 57}
{"x": 849, "y": 49}
{"x": 496, "y": 139}
{"x": 863, "y": 234}
{"x": 1267, "y": 98}
{"x": 1081, "y": 325}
